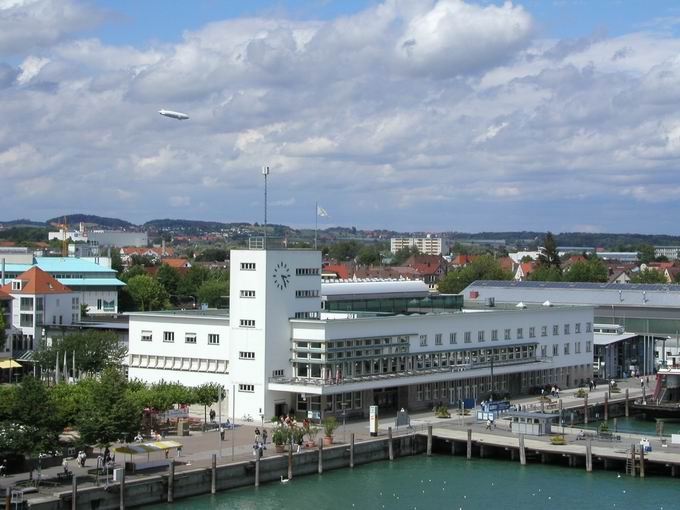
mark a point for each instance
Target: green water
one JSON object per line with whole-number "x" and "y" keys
{"x": 443, "y": 482}
{"x": 636, "y": 425}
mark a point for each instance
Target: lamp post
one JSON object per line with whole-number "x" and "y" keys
{"x": 344, "y": 415}
{"x": 490, "y": 353}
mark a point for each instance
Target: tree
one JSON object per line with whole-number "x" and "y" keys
{"x": 169, "y": 278}
{"x": 344, "y": 250}
{"x": 3, "y": 330}
{"x": 131, "y": 272}
{"x": 544, "y": 273}
{"x": 213, "y": 255}
{"x": 646, "y": 253}
{"x": 483, "y": 268}
{"x": 141, "y": 260}
{"x": 116, "y": 262}
{"x": 369, "y": 255}
{"x": 549, "y": 256}
{"x": 592, "y": 270}
{"x": 147, "y": 293}
{"x": 648, "y": 276}
{"x": 207, "y": 394}
{"x": 403, "y": 255}
{"x": 194, "y": 278}
{"x": 94, "y": 350}
{"x": 213, "y": 292}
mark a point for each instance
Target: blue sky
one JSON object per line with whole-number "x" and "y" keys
{"x": 422, "y": 115}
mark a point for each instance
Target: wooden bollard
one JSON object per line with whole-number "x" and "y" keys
{"x": 122, "y": 492}
{"x": 585, "y": 410}
{"x": 429, "y": 440}
{"x": 522, "y": 451}
{"x": 74, "y": 492}
{"x": 659, "y": 428}
{"x": 8, "y": 499}
{"x": 632, "y": 460}
{"x": 606, "y": 407}
{"x": 258, "y": 453}
{"x": 626, "y": 406}
{"x": 616, "y": 424}
{"x": 390, "y": 443}
{"x": 642, "y": 461}
{"x": 589, "y": 456}
{"x": 171, "y": 481}
{"x": 469, "y": 444}
{"x": 673, "y": 470}
{"x": 321, "y": 456}
{"x": 213, "y": 474}
{"x": 290, "y": 461}
{"x": 351, "y": 450}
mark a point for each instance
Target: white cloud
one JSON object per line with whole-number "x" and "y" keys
{"x": 180, "y": 201}
{"x": 30, "y": 69}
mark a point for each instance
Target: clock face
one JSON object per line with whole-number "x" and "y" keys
{"x": 281, "y": 275}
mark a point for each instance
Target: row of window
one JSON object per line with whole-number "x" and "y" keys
{"x": 247, "y": 266}
{"x": 507, "y": 334}
{"x": 307, "y": 315}
{"x": 306, "y": 293}
{"x": 246, "y": 355}
{"x": 246, "y": 388}
{"x": 307, "y": 271}
{"x": 247, "y": 293}
{"x": 189, "y": 338}
{"x": 566, "y": 348}
{"x": 247, "y": 323}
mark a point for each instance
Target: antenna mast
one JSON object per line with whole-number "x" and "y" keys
{"x": 265, "y": 172}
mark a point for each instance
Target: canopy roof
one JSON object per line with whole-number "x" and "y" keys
{"x": 9, "y": 363}
{"x": 155, "y": 446}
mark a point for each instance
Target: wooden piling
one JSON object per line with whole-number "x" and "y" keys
{"x": 74, "y": 492}
{"x": 390, "y": 443}
{"x": 290, "y": 461}
{"x": 659, "y": 428}
{"x": 8, "y": 499}
{"x": 257, "y": 467}
{"x": 606, "y": 407}
{"x": 213, "y": 474}
{"x": 673, "y": 470}
{"x": 589, "y": 456}
{"x": 585, "y": 410}
{"x": 627, "y": 413}
{"x": 321, "y": 455}
{"x": 429, "y": 440}
{"x": 171, "y": 481}
{"x": 351, "y": 451}
{"x": 522, "y": 451}
{"x": 469, "y": 444}
{"x": 642, "y": 461}
{"x": 632, "y": 460}
{"x": 121, "y": 502}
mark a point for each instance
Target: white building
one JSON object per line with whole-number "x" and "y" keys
{"x": 276, "y": 350}
{"x": 671, "y": 252}
{"x": 427, "y": 245}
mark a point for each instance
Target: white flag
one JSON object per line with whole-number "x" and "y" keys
{"x": 320, "y": 211}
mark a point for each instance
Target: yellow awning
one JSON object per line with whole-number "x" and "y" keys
{"x": 156, "y": 446}
{"x": 9, "y": 363}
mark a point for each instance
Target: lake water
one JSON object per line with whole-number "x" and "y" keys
{"x": 442, "y": 482}
{"x": 636, "y": 425}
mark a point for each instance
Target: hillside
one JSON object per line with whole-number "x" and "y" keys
{"x": 91, "y": 219}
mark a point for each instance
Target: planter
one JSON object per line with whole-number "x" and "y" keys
{"x": 327, "y": 440}
{"x": 310, "y": 444}
{"x": 280, "y": 448}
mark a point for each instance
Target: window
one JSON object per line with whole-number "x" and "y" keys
{"x": 213, "y": 339}
{"x": 190, "y": 338}
{"x": 480, "y": 336}
{"x": 494, "y": 335}
{"x": 246, "y": 388}
{"x": 452, "y": 338}
{"x": 544, "y": 351}
{"x": 99, "y": 304}
{"x": 556, "y": 330}
{"x": 419, "y": 392}
{"x": 438, "y": 339}
{"x": 589, "y": 327}
{"x": 306, "y": 271}
{"x": 247, "y": 293}
{"x": 532, "y": 332}
{"x": 357, "y": 399}
{"x": 278, "y": 372}
{"x": 246, "y": 355}
{"x": 468, "y": 337}
{"x": 507, "y": 334}
{"x": 556, "y": 350}
{"x": 247, "y": 323}
{"x": 247, "y": 266}
{"x": 577, "y": 347}
{"x": 544, "y": 330}
{"x": 520, "y": 333}
{"x": 16, "y": 285}
{"x": 423, "y": 340}
{"x": 577, "y": 327}
{"x": 566, "y": 349}
{"x": 566, "y": 329}
{"x": 306, "y": 293}
{"x": 168, "y": 336}
{"x": 307, "y": 315}
{"x": 589, "y": 346}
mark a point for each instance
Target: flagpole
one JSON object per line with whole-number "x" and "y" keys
{"x": 316, "y": 221}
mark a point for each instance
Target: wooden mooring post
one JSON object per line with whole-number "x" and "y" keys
{"x": 258, "y": 454}
{"x": 321, "y": 455}
{"x": 74, "y": 493}
{"x": 585, "y": 409}
{"x": 469, "y": 444}
{"x": 642, "y": 461}
{"x": 290, "y": 461}
{"x": 522, "y": 451}
{"x": 429, "y": 440}
{"x": 390, "y": 443}
{"x": 659, "y": 428}
{"x": 626, "y": 403}
{"x": 171, "y": 481}
{"x": 213, "y": 474}
{"x": 606, "y": 407}
{"x": 351, "y": 450}
{"x": 632, "y": 460}
{"x": 589, "y": 456}
{"x": 121, "y": 502}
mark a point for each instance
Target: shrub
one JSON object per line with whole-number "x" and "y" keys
{"x": 558, "y": 440}
{"x": 330, "y": 424}
{"x": 442, "y": 412}
{"x": 581, "y": 393}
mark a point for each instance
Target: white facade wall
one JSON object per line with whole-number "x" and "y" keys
{"x": 426, "y": 245}
{"x": 94, "y": 298}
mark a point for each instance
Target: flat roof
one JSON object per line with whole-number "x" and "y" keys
{"x": 609, "y": 338}
{"x": 91, "y": 282}
{"x": 662, "y": 287}
{"x": 215, "y": 313}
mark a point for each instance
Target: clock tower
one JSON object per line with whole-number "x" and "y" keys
{"x": 267, "y": 288}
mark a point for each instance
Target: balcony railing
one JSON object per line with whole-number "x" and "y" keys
{"x": 310, "y": 381}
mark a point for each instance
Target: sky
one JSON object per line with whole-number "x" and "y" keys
{"x": 412, "y": 115}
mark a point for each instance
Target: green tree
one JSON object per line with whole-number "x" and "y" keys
{"x": 549, "y": 256}
{"x": 369, "y": 255}
{"x": 94, "y": 350}
{"x": 483, "y": 268}
{"x": 648, "y": 276}
{"x": 194, "y": 278}
{"x": 169, "y": 278}
{"x": 3, "y": 330}
{"x": 343, "y": 251}
{"x": 212, "y": 292}
{"x": 116, "y": 262}
{"x": 646, "y": 253}
{"x": 544, "y": 273}
{"x": 403, "y": 254}
{"x": 592, "y": 270}
{"x": 207, "y": 394}
{"x": 213, "y": 255}
{"x": 131, "y": 272}
{"x": 147, "y": 293}
{"x": 34, "y": 415}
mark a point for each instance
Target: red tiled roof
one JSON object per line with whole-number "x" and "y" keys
{"x": 506, "y": 263}
{"x": 176, "y": 263}
{"x": 36, "y": 281}
{"x": 340, "y": 269}
{"x": 7, "y": 244}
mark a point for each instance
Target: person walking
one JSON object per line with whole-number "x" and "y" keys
{"x": 557, "y": 392}
{"x": 221, "y": 432}
{"x": 264, "y": 437}
{"x": 3, "y": 468}
{"x": 212, "y": 415}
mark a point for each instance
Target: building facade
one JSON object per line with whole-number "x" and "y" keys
{"x": 426, "y": 245}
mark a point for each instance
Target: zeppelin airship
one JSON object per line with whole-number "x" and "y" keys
{"x": 173, "y": 115}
